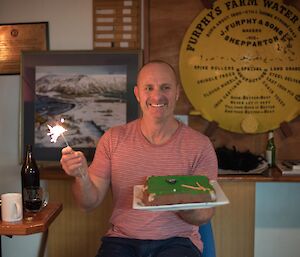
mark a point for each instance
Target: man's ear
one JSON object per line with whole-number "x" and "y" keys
{"x": 177, "y": 93}
{"x": 136, "y": 93}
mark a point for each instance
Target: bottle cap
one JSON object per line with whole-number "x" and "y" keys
{"x": 270, "y": 135}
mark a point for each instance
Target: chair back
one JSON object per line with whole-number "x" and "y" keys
{"x": 207, "y": 237}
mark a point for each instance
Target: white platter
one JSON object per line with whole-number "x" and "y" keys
{"x": 137, "y": 202}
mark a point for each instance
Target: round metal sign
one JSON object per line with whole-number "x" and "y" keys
{"x": 240, "y": 64}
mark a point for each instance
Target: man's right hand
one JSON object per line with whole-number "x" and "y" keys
{"x": 73, "y": 162}
{"x": 88, "y": 189}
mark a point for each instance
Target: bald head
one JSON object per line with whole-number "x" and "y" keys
{"x": 155, "y": 67}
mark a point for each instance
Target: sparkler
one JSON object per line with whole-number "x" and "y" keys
{"x": 55, "y": 132}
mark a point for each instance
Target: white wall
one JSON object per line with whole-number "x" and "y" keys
{"x": 277, "y": 218}
{"x": 70, "y": 28}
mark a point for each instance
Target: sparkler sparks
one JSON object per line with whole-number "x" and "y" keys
{"x": 54, "y": 133}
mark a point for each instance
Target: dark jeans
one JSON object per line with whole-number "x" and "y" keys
{"x": 125, "y": 247}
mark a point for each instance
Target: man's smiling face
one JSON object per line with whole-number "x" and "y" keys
{"x": 157, "y": 91}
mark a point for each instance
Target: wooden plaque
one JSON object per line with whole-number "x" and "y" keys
{"x": 16, "y": 38}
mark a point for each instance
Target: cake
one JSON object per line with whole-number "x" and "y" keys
{"x": 162, "y": 190}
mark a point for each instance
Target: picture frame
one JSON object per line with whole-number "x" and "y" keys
{"x": 91, "y": 90}
{"x": 18, "y": 37}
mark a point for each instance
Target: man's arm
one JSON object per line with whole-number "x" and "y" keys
{"x": 89, "y": 190}
{"x": 207, "y": 162}
{"x": 197, "y": 217}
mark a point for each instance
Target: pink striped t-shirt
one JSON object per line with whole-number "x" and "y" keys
{"x": 124, "y": 156}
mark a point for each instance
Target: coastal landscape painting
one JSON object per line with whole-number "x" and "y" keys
{"x": 90, "y": 99}
{"x": 85, "y": 92}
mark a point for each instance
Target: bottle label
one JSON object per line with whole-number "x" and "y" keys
{"x": 269, "y": 157}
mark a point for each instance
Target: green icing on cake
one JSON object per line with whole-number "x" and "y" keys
{"x": 162, "y": 185}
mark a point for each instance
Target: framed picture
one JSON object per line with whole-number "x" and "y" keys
{"x": 18, "y": 37}
{"x": 85, "y": 92}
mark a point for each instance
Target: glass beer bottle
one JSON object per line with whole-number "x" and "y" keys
{"x": 271, "y": 150}
{"x": 30, "y": 180}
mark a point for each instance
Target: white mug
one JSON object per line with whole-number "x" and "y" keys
{"x": 11, "y": 207}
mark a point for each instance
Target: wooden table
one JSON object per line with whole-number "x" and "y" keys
{"x": 33, "y": 223}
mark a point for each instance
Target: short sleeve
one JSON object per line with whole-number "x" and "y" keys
{"x": 101, "y": 164}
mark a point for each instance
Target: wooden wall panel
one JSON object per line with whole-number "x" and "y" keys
{"x": 233, "y": 224}
{"x": 76, "y": 233}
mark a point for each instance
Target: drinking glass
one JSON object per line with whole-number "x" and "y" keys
{"x": 35, "y": 198}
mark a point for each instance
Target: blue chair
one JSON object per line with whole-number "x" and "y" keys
{"x": 207, "y": 237}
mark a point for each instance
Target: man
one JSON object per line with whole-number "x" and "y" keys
{"x": 155, "y": 144}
